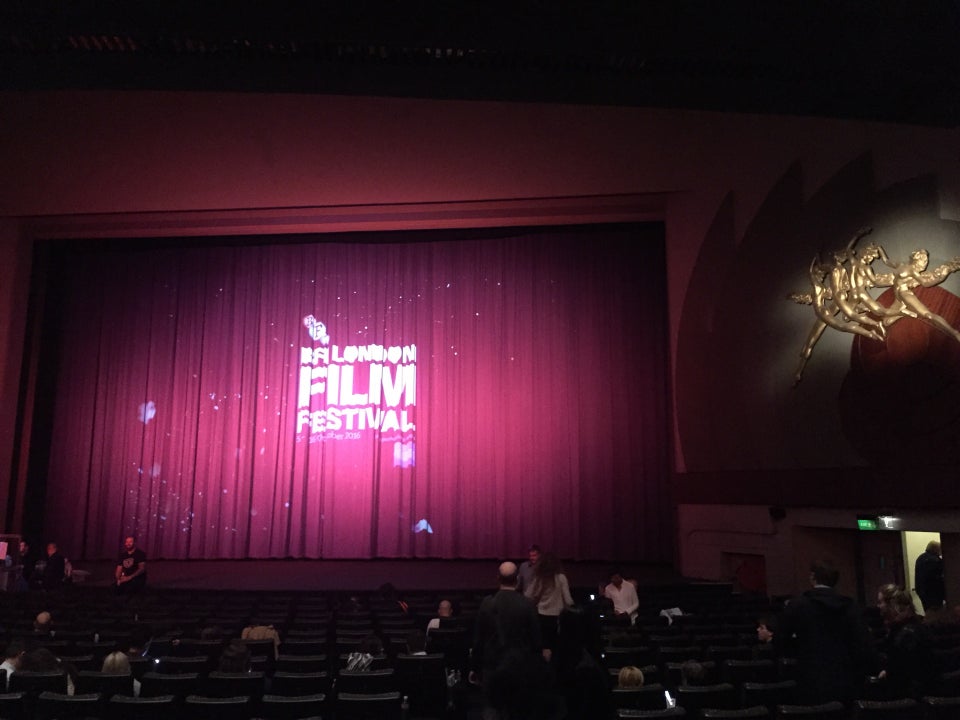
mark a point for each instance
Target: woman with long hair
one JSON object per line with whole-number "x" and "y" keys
{"x": 550, "y": 592}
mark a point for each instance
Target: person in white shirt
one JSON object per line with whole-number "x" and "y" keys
{"x": 11, "y": 658}
{"x": 550, "y": 592}
{"x": 624, "y": 598}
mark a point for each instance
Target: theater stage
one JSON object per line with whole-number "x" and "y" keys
{"x": 360, "y": 575}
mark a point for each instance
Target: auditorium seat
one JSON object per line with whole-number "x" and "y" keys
{"x": 394, "y": 645}
{"x": 13, "y": 705}
{"x": 947, "y": 659}
{"x": 82, "y": 662}
{"x": 668, "y": 713}
{"x": 715, "y": 639}
{"x": 162, "y": 645}
{"x": 677, "y": 655}
{"x": 193, "y": 647}
{"x": 378, "y": 706}
{"x": 139, "y": 666}
{"x": 618, "y": 657}
{"x": 281, "y": 707}
{"x": 301, "y": 663}
{"x": 200, "y": 707}
{"x": 399, "y": 623}
{"x": 758, "y": 711}
{"x": 948, "y": 684}
{"x": 673, "y": 674}
{"x": 738, "y": 672}
{"x": 721, "y": 653}
{"x": 222, "y": 684}
{"x": 693, "y": 698}
{"x": 173, "y": 665}
{"x": 305, "y": 646}
{"x": 787, "y": 668}
{"x": 301, "y": 630}
{"x": 99, "y": 650}
{"x": 675, "y": 639}
{"x": 904, "y": 709}
{"x": 265, "y": 647}
{"x": 366, "y": 681}
{"x": 37, "y": 682}
{"x": 649, "y": 697}
{"x": 181, "y": 684}
{"x": 107, "y": 684}
{"x": 825, "y": 711}
{"x": 942, "y": 708}
{"x": 423, "y": 679}
{"x": 60, "y": 706}
{"x": 346, "y": 645}
{"x": 769, "y": 694}
{"x": 290, "y": 684}
{"x": 453, "y": 643}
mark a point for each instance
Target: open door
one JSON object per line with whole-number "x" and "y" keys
{"x": 914, "y": 544}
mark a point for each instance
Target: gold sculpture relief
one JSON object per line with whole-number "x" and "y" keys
{"x": 841, "y": 297}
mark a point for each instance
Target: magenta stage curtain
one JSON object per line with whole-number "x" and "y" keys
{"x": 394, "y": 395}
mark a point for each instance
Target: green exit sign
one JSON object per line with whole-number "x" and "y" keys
{"x": 866, "y": 523}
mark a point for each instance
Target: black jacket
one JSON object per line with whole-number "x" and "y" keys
{"x": 831, "y": 642}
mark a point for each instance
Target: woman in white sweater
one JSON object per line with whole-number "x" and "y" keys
{"x": 550, "y": 592}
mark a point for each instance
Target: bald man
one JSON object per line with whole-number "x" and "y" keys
{"x": 444, "y": 610}
{"x": 506, "y": 623}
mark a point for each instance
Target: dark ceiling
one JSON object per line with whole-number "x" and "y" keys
{"x": 892, "y": 61}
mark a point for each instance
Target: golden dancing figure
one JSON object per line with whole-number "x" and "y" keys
{"x": 841, "y": 296}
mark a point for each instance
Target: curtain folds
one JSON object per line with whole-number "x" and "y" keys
{"x": 416, "y": 395}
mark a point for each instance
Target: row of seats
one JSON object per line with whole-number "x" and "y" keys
{"x": 735, "y": 672}
{"x": 928, "y": 708}
{"x": 407, "y": 672}
{"x": 93, "y": 706}
{"x": 423, "y": 678}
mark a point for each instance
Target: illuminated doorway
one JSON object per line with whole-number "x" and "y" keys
{"x": 914, "y": 544}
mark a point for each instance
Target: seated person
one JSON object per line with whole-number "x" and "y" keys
{"x": 444, "y": 610}
{"x": 623, "y": 595}
{"x": 766, "y": 629}
{"x": 693, "y": 674}
{"x": 910, "y": 664}
{"x": 12, "y": 656}
{"x": 235, "y": 658}
{"x": 43, "y": 624}
{"x": 263, "y": 632}
{"x": 117, "y": 663}
{"x": 630, "y": 676}
{"x": 42, "y": 660}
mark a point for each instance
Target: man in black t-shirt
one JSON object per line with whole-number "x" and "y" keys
{"x": 131, "y": 572}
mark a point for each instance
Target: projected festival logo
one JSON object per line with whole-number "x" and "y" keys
{"x": 356, "y": 392}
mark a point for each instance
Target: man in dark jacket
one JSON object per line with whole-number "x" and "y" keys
{"x": 506, "y": 652}
{"x": 505, "y": 621}
{"x": 928, "y": 576}
{"x": 830, "y": 640}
